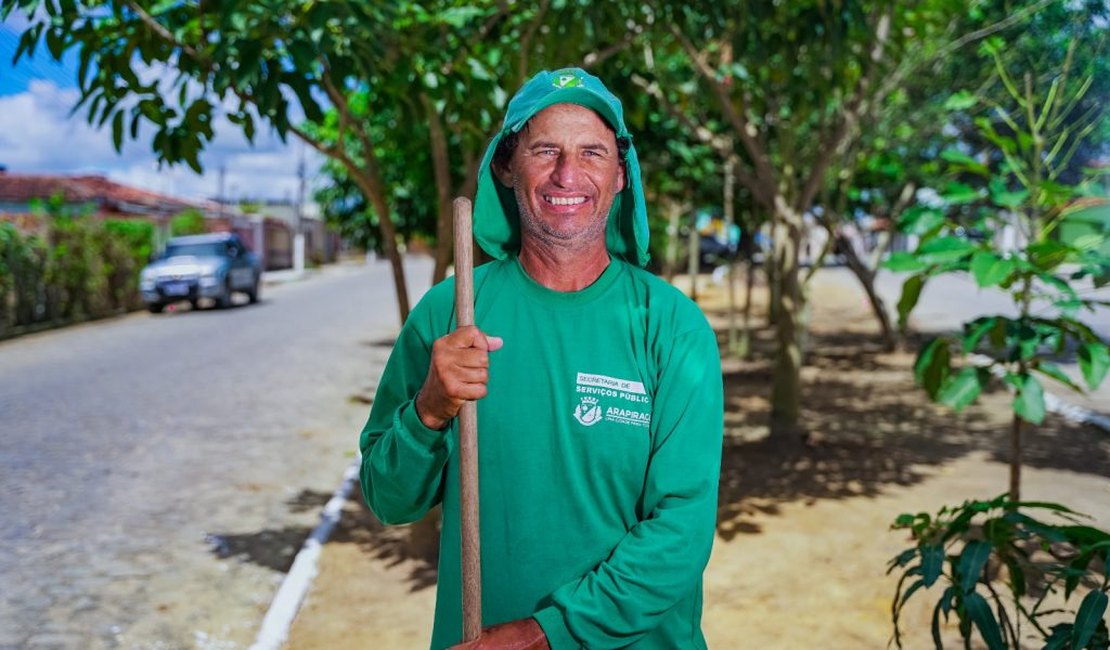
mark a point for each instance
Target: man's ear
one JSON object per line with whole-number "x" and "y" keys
{"x": 503, "y": 174}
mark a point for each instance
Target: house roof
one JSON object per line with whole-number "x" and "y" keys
{"x": 21, "y": 188}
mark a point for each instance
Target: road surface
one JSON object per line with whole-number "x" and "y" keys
{"x": 158, "y": 473}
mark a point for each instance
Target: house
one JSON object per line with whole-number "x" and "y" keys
{"x": 270, "y": 237}
{"x": 104, "y": 198}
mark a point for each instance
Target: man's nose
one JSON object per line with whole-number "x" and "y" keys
{"x": 567, "y": 170}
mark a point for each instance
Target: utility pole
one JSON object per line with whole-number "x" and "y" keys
{"x": 220, "y": 195}
{"x": 298, "y": 229}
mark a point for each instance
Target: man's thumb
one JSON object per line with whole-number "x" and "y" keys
{"x": 494, "y": 343}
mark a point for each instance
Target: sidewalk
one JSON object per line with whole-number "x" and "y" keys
{"x": 803, "y": 534}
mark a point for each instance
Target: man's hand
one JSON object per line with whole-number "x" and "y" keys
{"x": 458, "y": 372}
{"x": 523, "y": 634}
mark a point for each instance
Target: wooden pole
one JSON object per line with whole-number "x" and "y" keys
{"x": 468, "y": 434}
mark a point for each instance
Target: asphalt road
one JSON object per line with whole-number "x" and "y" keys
{"x": 158, "y": 473}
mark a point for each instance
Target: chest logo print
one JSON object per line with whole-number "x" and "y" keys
{"x": 587, "y": 412}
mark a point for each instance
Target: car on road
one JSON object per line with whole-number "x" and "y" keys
{"x": 193, "y": 267}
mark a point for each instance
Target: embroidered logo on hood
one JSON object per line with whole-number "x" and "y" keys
{"x": 567, "y": 81}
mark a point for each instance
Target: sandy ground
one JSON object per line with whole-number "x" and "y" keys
{"x": 803, "y": 538}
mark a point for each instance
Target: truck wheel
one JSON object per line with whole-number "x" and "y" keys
{"x": 155, "y": 308}
{"x": 256, "y": 291}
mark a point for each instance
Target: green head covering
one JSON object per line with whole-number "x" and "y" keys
{"x": 496, "y": 217}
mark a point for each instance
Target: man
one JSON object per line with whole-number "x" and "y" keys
{"x": 600, "y": 398}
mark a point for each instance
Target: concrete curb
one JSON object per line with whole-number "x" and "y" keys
{"x": 287, "y": 601}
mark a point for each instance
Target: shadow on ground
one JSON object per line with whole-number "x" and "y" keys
{"x": 865, "y": 427}
{"x": 392, "y": 544}
{"x": 271, "y": 548}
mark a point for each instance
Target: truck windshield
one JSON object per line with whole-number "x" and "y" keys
{"x": 197, "y": 250}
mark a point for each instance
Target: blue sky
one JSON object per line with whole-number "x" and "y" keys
{"x": 38, "y": 135}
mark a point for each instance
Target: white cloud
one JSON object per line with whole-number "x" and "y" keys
{"x": 38, "y": 135}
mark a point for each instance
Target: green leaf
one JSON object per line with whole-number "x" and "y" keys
{"x": 1003, "y": 197}
{"x": 1060, "y": 637}
{"x": 1048, "y": 254}
{"x": 962, "y": 161}
{"x": 981, "y": 615}
{"x": 932, "y": 561}
{"x": 1049, "y": 369}
{"x": 911, "y": 293}
{"x": 920, "y": 219}
{"x": 945, "y": 249}
{"x": 957, "y": 193}
{"x": 945, "y": 605}
{"x": 990, "y": 269}
{"x": 1094, "y": 362}
{"x": 972, "y": 560}
{"x": 117, "y": 130}
{"x": 962, "y": 389}
{"x": 932, "y": 366}
{"x": 1087, "y": 618}
{"x": 960, "y": 101}
{"x": 903, "y": 262}
{"x": 975, "y": 330}
{"x": 1029, "y": 401}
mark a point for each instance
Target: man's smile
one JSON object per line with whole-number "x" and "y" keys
{"x": 564, "y": 200}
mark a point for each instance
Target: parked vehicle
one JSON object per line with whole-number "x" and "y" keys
{"x": 210, "y": 266}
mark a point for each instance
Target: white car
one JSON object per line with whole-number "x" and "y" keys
{"x": 201, "y": 266}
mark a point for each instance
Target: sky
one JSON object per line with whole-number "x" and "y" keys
{"x": 39, "y": 135}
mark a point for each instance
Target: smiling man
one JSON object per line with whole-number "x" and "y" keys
{"x": 600, "y": 398}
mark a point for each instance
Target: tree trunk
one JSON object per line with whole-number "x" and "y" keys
{"x": 730, "y": 219}
{"x": 673, "y": 226}
{"x": 692, "y": 262}
{"x": 1015, "y": 459}
{"x": 774, "y": 287}
{"x": 745, "y": 344}
{"x": 368, "y": 180}
{"x": 441, "y": 166}
{"x": 786, "y": 377}
{"x": 866, "y": 278}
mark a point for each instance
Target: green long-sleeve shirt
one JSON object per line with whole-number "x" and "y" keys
{"x": 599, "y": 456}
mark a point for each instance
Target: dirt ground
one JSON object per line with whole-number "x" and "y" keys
{"x": 803, "y": 537}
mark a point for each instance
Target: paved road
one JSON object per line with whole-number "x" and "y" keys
{"x": 158, "y": 473}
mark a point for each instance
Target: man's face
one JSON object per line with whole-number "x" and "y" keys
{"x": 565, "y": 172}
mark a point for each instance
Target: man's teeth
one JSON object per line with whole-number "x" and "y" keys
{"x": 557, "y": 200}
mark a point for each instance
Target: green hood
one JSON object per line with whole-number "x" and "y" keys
{"x": 496, "y": 218}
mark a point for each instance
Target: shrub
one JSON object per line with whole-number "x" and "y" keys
{"x": 1040, "y": 564}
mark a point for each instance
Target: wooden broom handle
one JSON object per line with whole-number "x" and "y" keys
{"x": 468, "y": 433}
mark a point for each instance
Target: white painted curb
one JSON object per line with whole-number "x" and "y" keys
{"x": 279, "y": 618}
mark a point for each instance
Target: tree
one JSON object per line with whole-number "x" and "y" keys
{"x": 189, "y": 222}
{"x": 270, "y": 61}
{"x": 1018, "y": 183}
{"x": 789, "y": 84}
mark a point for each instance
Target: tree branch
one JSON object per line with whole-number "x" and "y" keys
{"x": 594, "y": 58}
{"x": 164, "y": 33}
{"x": 736, "y": 119}
{"x": 720, "y": 145}
{"x": 833, "y": 147}
{"x": 526, "y": 40}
